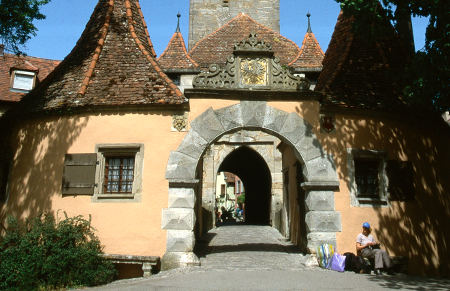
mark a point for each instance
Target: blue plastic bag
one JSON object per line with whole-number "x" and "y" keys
{"x": 338, "y": 262}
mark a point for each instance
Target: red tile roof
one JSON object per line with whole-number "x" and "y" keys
{"x": 216, "y": 47}
{"x": 311, "y": 54}
{"x": 175, "y": 56}
{"x": 113, "y": 64}
{"x": 9, "y": 62}
{"x": 357, "y": 71}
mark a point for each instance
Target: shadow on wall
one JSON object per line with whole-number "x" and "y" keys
{"x": 37, "y": 165}
{"x": 416, "y": 229}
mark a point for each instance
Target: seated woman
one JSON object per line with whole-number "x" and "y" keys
{"x": 367, "y": 247}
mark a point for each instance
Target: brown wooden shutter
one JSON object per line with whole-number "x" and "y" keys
{"x": 401, "y": 180}
{"x": 79, "y": 174}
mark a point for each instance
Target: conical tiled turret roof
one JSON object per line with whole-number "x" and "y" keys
{"x": 358, "y": 71}
{"x": 175, "y": 56}
{"x": 113, "y": 64}
{"x": 311, "y": 54}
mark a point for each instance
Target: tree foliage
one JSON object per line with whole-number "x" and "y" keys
{"x": 427, "y": 77}
{"x": 49, "y": 254}
{"x": 16, "y": 22}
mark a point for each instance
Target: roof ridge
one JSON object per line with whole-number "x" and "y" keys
{"x": 149, "y": 55}
{"x": 145, "y": 28}
{"x": 241, "y": 14}
{"x": 98, "y": 50}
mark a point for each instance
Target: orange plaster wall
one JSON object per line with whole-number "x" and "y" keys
{"x": 135, "y": 228}
{"x": 123, "y": 227}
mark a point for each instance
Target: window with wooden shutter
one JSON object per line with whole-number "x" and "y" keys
{"x": 79, "y": 174}
{"x": 401, "y": 180}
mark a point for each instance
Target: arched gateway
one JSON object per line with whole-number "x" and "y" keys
{"x": 182, "y": 172}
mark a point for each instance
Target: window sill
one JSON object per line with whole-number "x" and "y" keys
{"x": 116, "y": 196}
{"x": 372, "y": 201}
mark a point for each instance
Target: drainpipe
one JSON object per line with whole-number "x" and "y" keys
{"x": 2, "y": 49}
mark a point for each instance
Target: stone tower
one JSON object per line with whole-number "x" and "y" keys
{"x": 206, "y": 16}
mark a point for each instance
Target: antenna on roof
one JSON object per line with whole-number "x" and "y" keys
{"x": 309, "y": 23}
{"x": 178, "y": 25}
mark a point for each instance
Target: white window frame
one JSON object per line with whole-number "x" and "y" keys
{"x": 383, "y": 182}
{"x": 102, "y": 151}
{"x": 23, "y": 73}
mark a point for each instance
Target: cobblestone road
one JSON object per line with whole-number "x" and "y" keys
{"x": 249, "y": 247}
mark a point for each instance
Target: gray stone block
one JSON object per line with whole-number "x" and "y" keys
{"x": 316, "y": 239}
{"x": 253, "y": 113}
{"x": 274, "y": 119}
{"x": 208, "y": 126}
{"x": 320, "y": 201}
{"x": 320, "y": 169}
{"x": 193, "y": 145}
{"x": 309, "y": 148}
{"x": 293, "y": 129}
{"x": 230, "y": 117}
{"x": 178, "y": 219}
{"x": 180, "y": 167}
{"x": 181, "y": 198}
{"x": 173, "y": 260}
{"x": 323, "y": 221}
{"x": 180, "y": 241}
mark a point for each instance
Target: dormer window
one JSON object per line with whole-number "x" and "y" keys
{"x": 22, "y": 81}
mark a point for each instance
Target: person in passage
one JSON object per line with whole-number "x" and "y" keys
{"x": 367, "y": 247}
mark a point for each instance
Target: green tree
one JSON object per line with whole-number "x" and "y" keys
{"x": 427, "y": 77}
{"x": 16, "y": 22}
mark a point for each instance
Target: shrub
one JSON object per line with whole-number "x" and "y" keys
{"x": 45, "y": 253}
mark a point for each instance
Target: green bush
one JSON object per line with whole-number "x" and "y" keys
{"x": 47, "y": 254}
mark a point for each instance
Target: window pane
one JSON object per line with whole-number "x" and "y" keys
{"x": 119, "y": 174}
{"x": 366, "y": 176}
{"x": 23, "y": 82}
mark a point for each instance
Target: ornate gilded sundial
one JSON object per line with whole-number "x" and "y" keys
{"x": 254, "y": 72}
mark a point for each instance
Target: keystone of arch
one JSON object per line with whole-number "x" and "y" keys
{"x": 209, "y": 126}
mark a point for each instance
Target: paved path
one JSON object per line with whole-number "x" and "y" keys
{"x": 258, "y": 258}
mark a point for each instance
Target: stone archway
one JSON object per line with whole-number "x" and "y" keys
{"x": 318, "y": 169}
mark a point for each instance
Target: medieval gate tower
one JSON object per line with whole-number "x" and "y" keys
{"x": 205, "y": 16}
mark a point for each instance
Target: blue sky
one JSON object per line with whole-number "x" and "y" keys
{"x": 66, "y": 19}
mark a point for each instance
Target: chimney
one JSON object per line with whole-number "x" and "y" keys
{"x": 2, "y": 49}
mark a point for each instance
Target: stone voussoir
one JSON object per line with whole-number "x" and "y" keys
{"x": 180, "y": 167}
{"x": 294, "y": 128}
{"x": 274, "y": 119}
{"x": 208, "y": 125}
{"x": 253, "y": 113}
{"x": 193, "y": 145}
{"x": 230, "y": 117}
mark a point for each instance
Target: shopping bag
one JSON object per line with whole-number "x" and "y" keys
{"x": 324, "y": 254}
{"x": 338, "y": 262}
